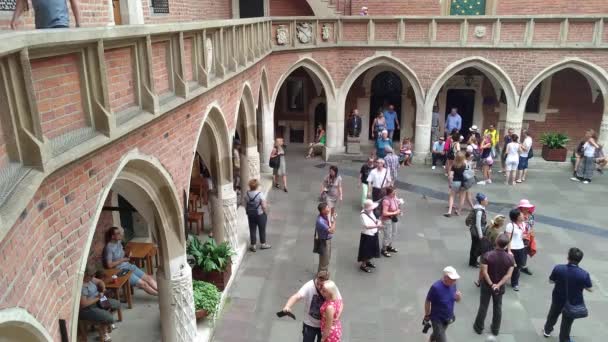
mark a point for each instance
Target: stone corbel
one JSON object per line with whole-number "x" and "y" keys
{"x": 219, "y": 51}
{"x": 149, "y": 100}
{"x": 232, "y": 59}
{"x": 200, "y": 52}
{"x": 30, "y": 143}
{"x": 177, "y": 54}
{"x": 97, "y": 89}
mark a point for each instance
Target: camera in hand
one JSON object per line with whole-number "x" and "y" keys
{"x": 426, "y": 325}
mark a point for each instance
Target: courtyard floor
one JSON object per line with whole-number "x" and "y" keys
{"x": 387, "y": 305}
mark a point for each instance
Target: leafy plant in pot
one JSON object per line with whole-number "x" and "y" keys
{"x": 206, "y": 298}
{"x": 554, "y": 146}
{"x": 212, "y": 261}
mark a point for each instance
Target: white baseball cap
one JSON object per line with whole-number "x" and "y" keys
{"x": 473, "y": 128}
{"x": 451, "y": 273}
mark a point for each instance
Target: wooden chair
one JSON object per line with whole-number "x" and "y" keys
{"x": 194, "y": 217}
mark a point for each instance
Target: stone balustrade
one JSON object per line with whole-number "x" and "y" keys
{"x": 498, "y": 32}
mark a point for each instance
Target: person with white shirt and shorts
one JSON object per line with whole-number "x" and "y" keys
{"x": 512, "y": 160}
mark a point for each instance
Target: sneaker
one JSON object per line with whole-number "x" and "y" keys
{"x": 586, "y": 182}
{"x": 392, "y": 249}
{"x": 265, "y": 246}
{"x": 526, "y": 271}
{"x": 516, "y": 288}
{"x": 433, "y": 167}
{"x": 386, "y": 254}
{"x": 113, "y": 326}
{"x": 107, "y": 337}
{"x": 575, "y": 179}
{"x": 491, "y": 338}
{"x": 253, "y": 248}
{"x": 546, "y": 334}
{"x": 481, "y": 183}
{"x": 489, "y": 181}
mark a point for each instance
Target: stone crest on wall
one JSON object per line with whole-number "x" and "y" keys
{"x": 480, "y": 31}
{"x": 282, "y": 34}
{"x": 304, "y": 32}
{"x": 325, "y": 32}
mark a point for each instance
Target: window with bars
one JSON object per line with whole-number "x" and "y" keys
{"x": 468, "y": 7}
{"x": 7, "y": 5}
{"x": 160, "y": 6}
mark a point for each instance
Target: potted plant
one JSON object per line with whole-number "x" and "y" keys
{"x": 554, "y": 146}
{"x": 206, "y": 299}
{"x": 212, "y": 261}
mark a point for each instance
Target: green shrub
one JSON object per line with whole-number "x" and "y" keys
{"x": 206, "y": 296}
{"x": 554, "y": 140}
{"x": 208, "y": 255}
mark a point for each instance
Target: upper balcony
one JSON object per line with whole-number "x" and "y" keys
{"x": 121, "y": 78}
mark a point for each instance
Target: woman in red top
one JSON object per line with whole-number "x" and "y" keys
{"x": 331, "y": 310}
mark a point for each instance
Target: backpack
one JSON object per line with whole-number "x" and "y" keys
{"x": 251, "y": 208}
{"x": 470, "y": 222}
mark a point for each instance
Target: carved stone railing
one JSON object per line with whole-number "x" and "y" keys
{"x": 523, "y": 32}
{"x": 66, "y": 93}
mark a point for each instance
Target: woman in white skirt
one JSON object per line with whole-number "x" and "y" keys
{"x": 369, "y": 244}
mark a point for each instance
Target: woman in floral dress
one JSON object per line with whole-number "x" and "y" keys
{"x": 331, "y": 310}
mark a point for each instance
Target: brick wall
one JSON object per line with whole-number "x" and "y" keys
{"x": 161, "y": 67}
{"x": 106, "y": 220}
{"x": 92, "y": 13}
{"x": 121, "y": 81}
{"x": 571, "y": 96}
{"x": 505, "y": 7}
{"x": 188, "y": 10}
{"x": 289, "y": 8}
{"x": 45, "y": 246}
{"x": 57, "y": 89}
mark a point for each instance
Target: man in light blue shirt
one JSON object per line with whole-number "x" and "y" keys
{"x": 453, "y": 121}
{"x": 438, "y": 153}
{"x": 391, "y": 121}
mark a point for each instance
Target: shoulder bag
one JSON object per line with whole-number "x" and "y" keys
{"x": 573, "y": 311}
{"x": 275, "y": 162}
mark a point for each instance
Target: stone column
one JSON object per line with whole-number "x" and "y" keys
{"x": 334, "y": 129}
{"x": 177, "y": 305}
{"x": 224, "y": 215}
{"x": 363, "y": 104}
{"x": 253, "y": 164}
{"x": 422, "y": 136}
{"x": 515, "y": 119}
{"x": 267, "y": 140}
{"x": 603, "y": 134}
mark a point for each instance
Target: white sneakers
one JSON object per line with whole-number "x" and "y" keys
{"x": 433, "y": 167}
{"x": 575, "y": 179}
{"x": 107, "y": 338}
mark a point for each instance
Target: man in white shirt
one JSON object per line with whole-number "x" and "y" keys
{"x": 378, "y": 179}
{"x": 524, "y": 155}
{"x": 311, "y": 293}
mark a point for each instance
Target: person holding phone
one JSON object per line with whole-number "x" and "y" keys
{"x": 114, "y": 257}
{"x": 90, "y": 310}
{"x": 310, "y": 292}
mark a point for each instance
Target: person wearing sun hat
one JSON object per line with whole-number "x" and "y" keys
{"x": 527, "y": 210}
{"x": 439, "y": 304}
{"x": 369, "y": 244}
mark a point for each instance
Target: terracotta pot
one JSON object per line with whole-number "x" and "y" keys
{"x": 219, "y": 279}
{"x": 554, "y": 154}
{"x": 201, "y": 314}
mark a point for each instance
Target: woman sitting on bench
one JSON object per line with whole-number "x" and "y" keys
{"x": 90, "y": 308}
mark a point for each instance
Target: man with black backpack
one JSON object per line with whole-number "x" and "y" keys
{"x": 477, "y": 222}
{"x": 256, "y": 208}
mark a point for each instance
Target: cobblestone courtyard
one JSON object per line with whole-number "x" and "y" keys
{"x": 387, "y": 305}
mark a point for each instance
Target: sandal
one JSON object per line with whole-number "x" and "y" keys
{"x": 370, "y": 264}
{"x": 365, "y": 269}
{"x": 456, "y": 212}
{"x": 276, "y": 185}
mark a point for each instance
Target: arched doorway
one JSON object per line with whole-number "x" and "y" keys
{"x": 570, "y": 98}
{"x": 386, "y": 91}
{"x": 245, "y": 155}
{"x": 148, "y": 188}
{"x": 296, "y": 95}
{"x": 477, "y": 89}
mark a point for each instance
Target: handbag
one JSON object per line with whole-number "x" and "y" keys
{"x": 573, "y": 311}
{"x": 104, "y": 303}
{"x": 316, "y": 247}
{"x": 275, "y": 162}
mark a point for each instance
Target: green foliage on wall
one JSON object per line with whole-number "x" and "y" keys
{"x": 468, "y": 7}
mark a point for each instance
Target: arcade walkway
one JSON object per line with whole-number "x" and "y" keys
{"x": 388, "y": 304}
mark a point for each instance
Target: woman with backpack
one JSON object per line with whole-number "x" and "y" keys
{"x": 256, "y": 208}
{"x": 454, "y": 147}
{"x": 331, "y": 189}
{"x": 477, "y": 223}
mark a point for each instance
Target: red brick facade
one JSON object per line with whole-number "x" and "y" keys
{"x": 280, "y": 8}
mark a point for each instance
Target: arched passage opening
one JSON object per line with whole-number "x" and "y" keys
{"x": 570, "y": 97}
{"x": 295, "y": 99}
{"x": 245, "y": 155}
{"x": 376, "y": 84}
{"x": 475, "y": 89}
{"x": 16, "y": 324}
{"x": 156, "y": 264}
